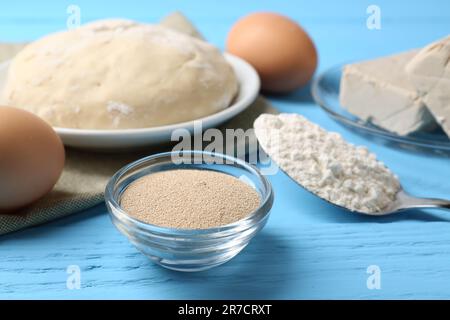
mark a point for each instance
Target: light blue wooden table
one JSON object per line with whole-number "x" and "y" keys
{"x": 308, "y": 249}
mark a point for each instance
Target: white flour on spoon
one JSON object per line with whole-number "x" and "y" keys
{"x": 324, "y": 163}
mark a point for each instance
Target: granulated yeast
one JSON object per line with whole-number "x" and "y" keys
{"x": 189, "y": 199}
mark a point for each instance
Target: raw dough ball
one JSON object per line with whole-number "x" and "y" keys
{"x": 117, "y": 74}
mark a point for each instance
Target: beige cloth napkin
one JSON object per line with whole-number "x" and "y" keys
{"x": 86, "y": 174}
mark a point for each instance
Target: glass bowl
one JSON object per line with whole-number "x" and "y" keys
{"x": 325, "y": 91}
{"x": 189, "y": 249}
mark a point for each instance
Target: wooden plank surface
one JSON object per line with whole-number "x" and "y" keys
{"x": 308, "y": 249}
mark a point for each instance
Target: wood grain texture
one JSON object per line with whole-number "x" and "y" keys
{"x": 308, "y": 248}
{"x": 287, "y": 260}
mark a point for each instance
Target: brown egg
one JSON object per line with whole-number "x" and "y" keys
{"x": 31, "y": 158}
{"x": 279, "y": 49}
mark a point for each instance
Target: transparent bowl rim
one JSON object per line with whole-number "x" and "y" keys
{"x": 253, "y": 218}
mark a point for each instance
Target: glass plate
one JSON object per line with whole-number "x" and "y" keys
{"x": 325, "y": 91}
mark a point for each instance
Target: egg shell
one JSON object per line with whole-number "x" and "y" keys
{"x": 31, "y": 158}
{"x": 280, "y": 50}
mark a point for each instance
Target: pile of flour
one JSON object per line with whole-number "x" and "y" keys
{"x": 325, "y": 164}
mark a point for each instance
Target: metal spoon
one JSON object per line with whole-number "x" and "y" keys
{"x": 403, "y": 201}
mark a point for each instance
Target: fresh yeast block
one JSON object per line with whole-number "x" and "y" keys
{"x": 380, "y": 91}
{"x": 429, "y": 72}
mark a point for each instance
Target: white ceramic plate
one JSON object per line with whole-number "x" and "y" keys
{"x": 132, "y": 138}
